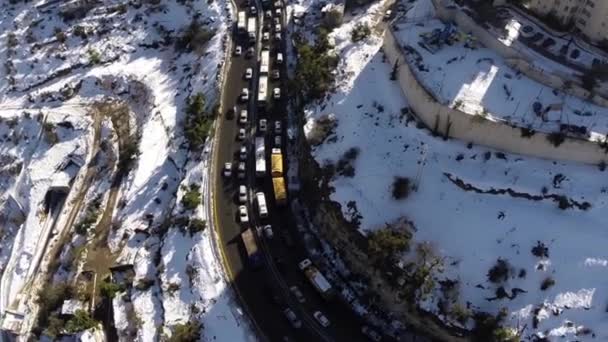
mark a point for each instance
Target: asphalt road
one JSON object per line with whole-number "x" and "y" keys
{"x": 265, "y": 291}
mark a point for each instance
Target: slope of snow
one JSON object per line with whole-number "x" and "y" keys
{"x": 470, "y": 230}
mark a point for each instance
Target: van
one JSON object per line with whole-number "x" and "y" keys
{"x": 262, "y": 207}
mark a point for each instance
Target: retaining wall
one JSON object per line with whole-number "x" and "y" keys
{"x": 471, "y": 128}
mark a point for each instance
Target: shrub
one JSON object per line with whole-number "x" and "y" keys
{"x": 172, "y": 288}
{"x": 144, "y": 284}
{"x": 79, "y": 322}
{"x": 401, "y": 188}
{"x": 60, "y": 35}
{"x": 49, "y": 133}
{"x": 194, "y": 37}
{"x": 547, "y": 283}
{"x": 109, "y": 289}
{"x": 540, "y": 250}
{"x": 50, "y": 298}
{"x": 128, "y": 155}
{"x": 488, "y": 328}
{"x": 556, "y": 138}
{"x": 89, "y": 219}
{"x": 94, "y": 56}
{"x": 360, "y": 32}
{"x": 460, "y": 313}
{"x": 192, "y": 197}
{"x": 499, "y": 272}
{"x": 188, "y": 332}
{"x": 197, "y": 225}
{"x": 385, "y": 244}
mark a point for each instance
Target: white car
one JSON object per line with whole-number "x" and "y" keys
{"x": 243, "y": 116}
{"x": 253, "y": 10}
{"x": 238, "y": 50}
{"x": 245, "y": 94}
{"x": 276, "y": 74}
{"x": 248, "y": 73}
{"x": 278, "y": 4}
{"x": 228, "y": 169}
{"x": 277, "y": 36}
{"x": 242, "y": 194}
{"x": 263, "y": 125}
{"x": 277, "y": 127}
{"x": 293, "y": 319}
{"x": 277, "y": 25}
{"x": 298, "y": 294}
{"x": 242, "y": 134}
{"x": 276, "y": 93}
{"x": 367, "y": 331}
{"x": 266, "y": 36}
{"x": 268, "y": 14}
{"x": 277, "y": 12}
{"x": 279, "y": 58}
{"x": 241, "y": 170}
{"x": 277, "y": 141}
{"x": 243, "y": 153}
{"x": 320, "y": 317}
{"x": 243, "y": 215}
{"x": 268, "y": 231}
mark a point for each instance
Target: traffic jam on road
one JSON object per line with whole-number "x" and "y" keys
{"x": 255, "y": 177}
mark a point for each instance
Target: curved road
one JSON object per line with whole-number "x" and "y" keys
{"x": 265, "y": 292}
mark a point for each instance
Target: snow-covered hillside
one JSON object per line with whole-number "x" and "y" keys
{"x": 472, "y": 205}
{"x": 84, "y": 82}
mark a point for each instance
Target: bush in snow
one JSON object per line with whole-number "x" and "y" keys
{"x": 556, "y": 138}
{"x": 192, "y": 197}
{"x": 128, "y": 155}
{"x": 144, "y": 284}
{"x": 547, "y": 283}
{"x": 109, "y": 290}
{"x": 172, "y": 288}
{"x": 500, "y": 271}
{"x": 488, "y": 328}
{"x": 459, "y": 313}
{"x": 197, "y": 225}
{"x": 188, "y": 332}
{"x": 49, "y": 133}
{"x": 194, "y": 38}
{"x": 540, "y": 250}
{"x": 360, "y": 32}
{"x": 94, "y": 56}
{"x": 401, "y": 187}
{"x": 345, "y": 165}
{"x": 81, "y": 321}
{"x": 385, "y": 244}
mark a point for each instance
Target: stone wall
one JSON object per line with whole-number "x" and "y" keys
{"x": 475, "y": 129}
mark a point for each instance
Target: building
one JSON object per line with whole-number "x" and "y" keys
{"x": 590, "y": 17}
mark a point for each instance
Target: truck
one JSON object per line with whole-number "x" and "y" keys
{"x": 251, "y": 247}
{"x": 276, "y": 163}
{"x": 264, "y": 62}
{"x": 251, "y": 28}
{"x": 316, "y": 278}
{"x": 262, "y": 90}
{"x": 280, "y": 193}
{"x": 260, "y": 157}
{"x": 241, "y": 23}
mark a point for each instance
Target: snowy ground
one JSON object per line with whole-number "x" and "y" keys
{"x": 113, "y": 52}
{"x": 470, "y": 230}
{"x": 478, "y": 82}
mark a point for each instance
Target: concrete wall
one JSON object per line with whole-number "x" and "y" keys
{"x": 518, "y": 60}
{"x": 477, "y": 130}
